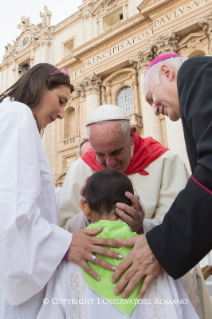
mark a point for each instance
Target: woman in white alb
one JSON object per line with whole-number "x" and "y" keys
{"x": 31, "y": 245}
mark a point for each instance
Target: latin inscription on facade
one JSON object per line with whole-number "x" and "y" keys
{"x": 177, "y": 13}
{"x": 112, "y": 51}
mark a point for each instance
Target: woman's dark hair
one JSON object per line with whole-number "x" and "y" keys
{"x": 106, "y": 188}
{"x": 29, "y": 88}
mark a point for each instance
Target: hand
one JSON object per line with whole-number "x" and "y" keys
{"x": 83, "y": 246}
{"x": 139, "y": 263}
{"x": 134, "y": 215}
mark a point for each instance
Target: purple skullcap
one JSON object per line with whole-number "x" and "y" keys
{"x": 161, "y": 58}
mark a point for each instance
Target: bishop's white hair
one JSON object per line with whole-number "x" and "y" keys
{"x": 125, "y": 127}
{"x": 154, "y": 71}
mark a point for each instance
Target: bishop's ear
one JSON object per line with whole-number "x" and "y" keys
{"x": 168, "y": 72}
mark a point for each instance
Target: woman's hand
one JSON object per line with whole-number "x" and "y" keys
{"x": 83, "y": 246}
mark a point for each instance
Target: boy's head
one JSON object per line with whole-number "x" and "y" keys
{"x": 103, "y": 190}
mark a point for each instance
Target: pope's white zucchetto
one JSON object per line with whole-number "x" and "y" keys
{"x": 107, "y": 113}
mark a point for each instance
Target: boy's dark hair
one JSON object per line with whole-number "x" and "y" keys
{"x": 106, "y": 188}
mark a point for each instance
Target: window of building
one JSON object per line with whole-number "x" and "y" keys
{"x": 125, "y": 99}
{"x": 113, "y": 18}
{"x": 68, "y": 47}
{"x": 23, "y": 67}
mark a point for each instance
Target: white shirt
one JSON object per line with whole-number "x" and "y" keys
{"x": 31, "y": 245}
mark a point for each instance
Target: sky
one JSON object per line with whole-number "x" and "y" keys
{"x": 11, "y": 12}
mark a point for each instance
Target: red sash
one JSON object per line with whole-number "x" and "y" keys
{"x": 146, "y": 151}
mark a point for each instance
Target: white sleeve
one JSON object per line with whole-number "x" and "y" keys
{"x": 173, "y": 180}
{"x": 30, "y": 247}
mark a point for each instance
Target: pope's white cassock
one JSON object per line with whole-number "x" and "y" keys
{"x": 31, "y": 245}
{"x": 167, "y": 176}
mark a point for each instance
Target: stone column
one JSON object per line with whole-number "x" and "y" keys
{"x": 103, "y": 95}
{"x": 206, "y": 24}
{"x": 136, "y": 94}
{"x": 87, "y": 24}
{"x": 46, "y": 43}
{"x": 91, "y": 86}
{"x": 151, "y": 123}
{"x": 176, "y": 141}
{"x": 108, "y": 94}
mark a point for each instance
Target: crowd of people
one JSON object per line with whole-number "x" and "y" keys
{"x": 129, "y": 226}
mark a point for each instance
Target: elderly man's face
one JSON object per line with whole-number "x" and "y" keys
{"x": 163, "y": 97}
{"x": 112, "y": 147}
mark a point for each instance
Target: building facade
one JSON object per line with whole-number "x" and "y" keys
{"x": 106, "y": 46}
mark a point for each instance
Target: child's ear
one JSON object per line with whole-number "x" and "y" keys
{"x": 85, "y": 208}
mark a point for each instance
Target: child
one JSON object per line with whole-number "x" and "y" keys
{"x": 72, "y": 293}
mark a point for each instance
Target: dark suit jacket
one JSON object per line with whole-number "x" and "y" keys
{"x": 185, "y": 236}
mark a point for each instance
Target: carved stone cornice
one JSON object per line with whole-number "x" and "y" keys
{"x": 26, "y": 25}
{"x": 79, "y": 88}
{"x": 46, "y": 39}
{"x": 165, "y": 44}
{"x": 30, "y": 37}
{"x": 162, "y": 45}
{"x": 90, "y": 85}
{"x": 192, "y": 42}
{"x": 104, "y": 6}
{"x": 86, "y": 14}
{"x": 206, "y": 24}
{"x": 142, "y": 59}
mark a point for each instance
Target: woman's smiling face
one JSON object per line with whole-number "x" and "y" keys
{"x": 51, "y": 106}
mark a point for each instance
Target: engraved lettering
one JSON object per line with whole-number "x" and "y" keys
{"x": 175, "y": 14}
{"x": 104, "y": 54}
{"x": 162, "y": 20}
{"x": 156, "y": 22}
{"x": 141, "y": 36}
{"x": 169, "y": 17}
{"x": 182, "y": 10}
{"x": 122, "y": 46}
{"x": 133, "y": 39}
{"x": 114, "y": 48}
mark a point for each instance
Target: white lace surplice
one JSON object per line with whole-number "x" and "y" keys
{"x": 70, "y": 297}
